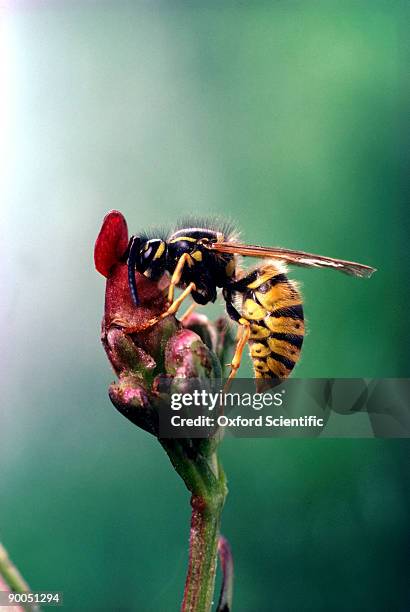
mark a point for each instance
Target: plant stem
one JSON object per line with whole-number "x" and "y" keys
{"x": 203, "y": 543}
{"x": 10, "y": 573}
{"x": 205, "y": 479}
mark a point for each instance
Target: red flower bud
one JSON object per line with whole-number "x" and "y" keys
{"x": 111, "y": 243}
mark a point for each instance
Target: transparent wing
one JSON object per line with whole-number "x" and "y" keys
{"x": 297, "y": 258}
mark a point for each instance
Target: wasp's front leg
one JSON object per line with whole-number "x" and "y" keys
{"x": 184, "y": 260}
{"x": 174, "y": 306}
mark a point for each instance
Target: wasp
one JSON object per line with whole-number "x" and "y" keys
{"x": 202, "y": 257}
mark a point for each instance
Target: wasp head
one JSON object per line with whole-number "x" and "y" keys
{"x": 147, "y": 257}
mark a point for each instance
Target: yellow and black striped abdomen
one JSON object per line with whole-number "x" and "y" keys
{"x": 273, "y": 306}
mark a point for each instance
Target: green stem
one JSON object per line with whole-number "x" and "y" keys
{"x": 205, "y": 479}
{"x": 10, "y": 573}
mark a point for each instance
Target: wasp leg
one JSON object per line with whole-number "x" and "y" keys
{"x": 177, "y": 274}
{"x": 173, "y": 309}
{"x": 244, "y": 333}
{"x": 188, "y": 311}
{"x": 230, "y": 308}
{"x": 237, "y": 286}
{"x": 244, "y": 330}
{"x": 175, "y": 279}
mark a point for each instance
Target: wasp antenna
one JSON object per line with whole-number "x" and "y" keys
{"x": 132, "y": 260}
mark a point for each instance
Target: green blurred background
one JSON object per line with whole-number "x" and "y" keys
{"x": 289, "y": 117}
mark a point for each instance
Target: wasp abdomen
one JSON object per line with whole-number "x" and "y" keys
{"x": 273, "y": 306}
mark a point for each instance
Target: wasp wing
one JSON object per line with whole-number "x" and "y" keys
{"x": 297, "y": 258}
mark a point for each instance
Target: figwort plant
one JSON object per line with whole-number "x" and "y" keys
{"x": 149, "y": 362}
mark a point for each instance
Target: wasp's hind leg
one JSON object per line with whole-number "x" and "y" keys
{"x": 244, "y": 332}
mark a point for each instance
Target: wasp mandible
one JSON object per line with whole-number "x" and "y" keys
{"x": 202, "y": 256}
